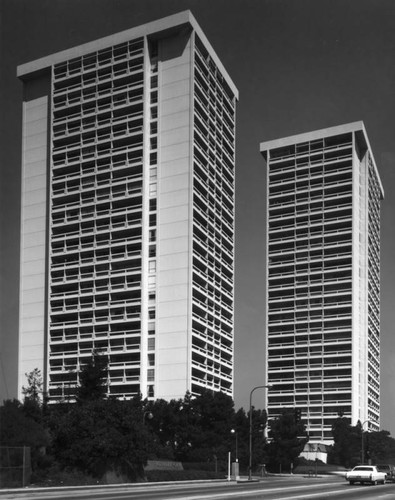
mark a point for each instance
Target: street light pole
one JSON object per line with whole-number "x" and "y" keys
{"x": 362, "y": 443}
{"x": 233, "y": 431}
{"x": 250, "y": 443}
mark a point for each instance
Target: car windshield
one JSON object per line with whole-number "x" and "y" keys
{"x": 363, "y": 468}
{"x": 383, "y": 467}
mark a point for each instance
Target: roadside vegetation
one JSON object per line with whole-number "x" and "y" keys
{"x": 96, "y": 439}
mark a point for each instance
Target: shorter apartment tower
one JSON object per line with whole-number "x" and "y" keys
{"x": 323, "y": 283}
{"x": 127, "y": 238}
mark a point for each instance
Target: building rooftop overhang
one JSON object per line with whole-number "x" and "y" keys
{"x": 357, "y": 127}
{"x": 165, "y": 25}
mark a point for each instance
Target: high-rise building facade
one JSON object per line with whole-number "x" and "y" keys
{"x": 127, "y": 239}
{"x": 323, "y": 283}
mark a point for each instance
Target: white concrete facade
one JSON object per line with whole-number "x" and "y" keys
{"x": 32, "y": 320}
{"x": 136, "y": 218}
{"x": 323, "y": 283}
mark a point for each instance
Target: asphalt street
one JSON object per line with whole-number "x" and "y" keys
{"x": 271, "y": 488}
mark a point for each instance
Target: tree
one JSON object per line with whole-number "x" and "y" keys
{"x": 93, "y": 379}
{"x": 207, "y": 420}
{"x": 34, "y": 389}
{"x": 19, "y": 429}
{"x": 101, "y": 436}
{"x": 288, "y": 437}
{"x": 379, "y": 446}
{"x": 346, "y": 449}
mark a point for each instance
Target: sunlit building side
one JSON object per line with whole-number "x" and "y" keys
{"x": 127, "y": 224}
{"x": 323, "y": 278}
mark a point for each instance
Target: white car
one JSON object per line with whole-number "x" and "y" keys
{"x": 365, "y": 474}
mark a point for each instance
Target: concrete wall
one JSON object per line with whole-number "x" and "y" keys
{"x": 174, "y": 226}
{"x": 33, "y": 239}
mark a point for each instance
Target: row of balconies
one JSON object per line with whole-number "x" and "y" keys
{"x": 214, "y": 208}
{"x": 212, "y": 239}
{"x": 216, "y": 370}
{"x": 218, "y": 159}
{"x": 311, "y": 222}
{"x": 108, "y": 178}
{"x": 215, "y": 80}
{"x": 311, "y": 208}
{"x": 107, "y": 167}
{"x": 309, "y": 179}
{"x": 105, "y": 255}
{"x": 214, "y": 126}
{"x": 217, "y": 276}
{"x": 211, "y": 111}
{"x": 216, "y": 142}
{"x": 107, "y": 74}
{"x": 96, "y": 317}
{"x": 95, "y": 123}
{"x": 319, "y": 169}
{"x": 97, "y": 136}
{"x": 209, "y": 289}
{"x": 216, "y": 165}
{"x": 213, "y": 306}
{"x": 132, "y": 152}
{"x": 98, "y": 228}
{"x": 111, "y": 269}
{"x": 213, "y": 244}
{"x": 132, "y": 335}
{"x": 101, "y": 58}
{"x": 212, "y": 354}
{"x": 304, "y": 236}
{"x": 93, "y": 84}
{"x": 206, "y": 313}
{"x": 212, "y": 254}
{"x": 210, "y": 293}
{"x": 91, "y": 225}
{"x": 214, "y": 324}
{"x": 315, "y": 147}
{"x": 100, "y": 196}
{"x": 310, "y": 196}
{"x": 124, "y": 93}
{"x": 219, "y": 348}
{"x": 89, "y": 287}
{"x": 319, "y": 327}
{"x": 99, "y": 212}
{"x": 285, "y": 306}
{"x": 214, "y": 118}
{"x": 221, "y": 186}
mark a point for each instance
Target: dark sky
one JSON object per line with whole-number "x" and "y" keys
{"x": 299, "y": 65}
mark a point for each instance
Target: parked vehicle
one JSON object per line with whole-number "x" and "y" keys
{"x": 365, "y": 474}
{"x": 389, "y": 471}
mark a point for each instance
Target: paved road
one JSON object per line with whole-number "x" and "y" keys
{"x": 272, "y": 488}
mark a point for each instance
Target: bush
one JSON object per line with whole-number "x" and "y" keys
{"x": 66, "y": 477}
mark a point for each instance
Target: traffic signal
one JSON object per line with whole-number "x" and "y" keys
{"x": 297, "y": 414}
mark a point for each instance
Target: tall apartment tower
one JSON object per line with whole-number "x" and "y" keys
{"x": 127, "y": 239}
{"x": 323, "y": 283}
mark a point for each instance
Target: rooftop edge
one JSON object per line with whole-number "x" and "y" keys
{"x": 162, "y": 24}
{"x": 357, "y": 126}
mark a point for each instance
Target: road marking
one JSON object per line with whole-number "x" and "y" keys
{"x": 276, "y": 490}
